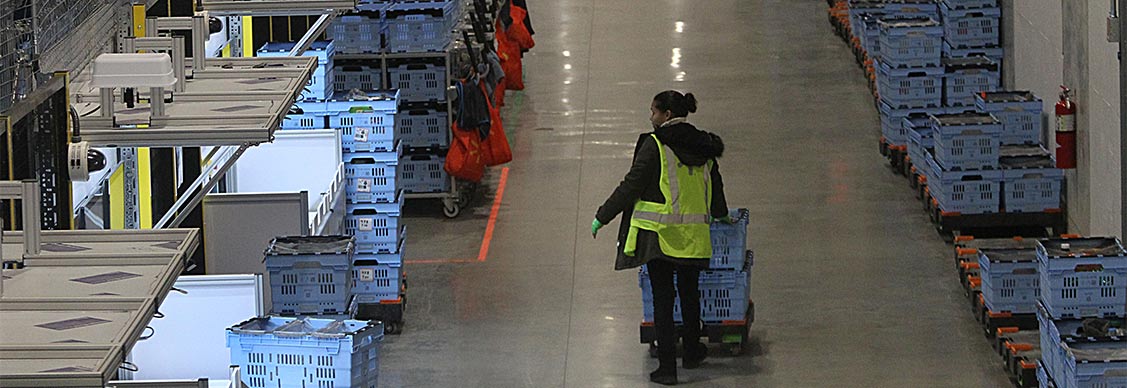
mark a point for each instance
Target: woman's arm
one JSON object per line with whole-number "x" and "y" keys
{"x": 646, "y": 159}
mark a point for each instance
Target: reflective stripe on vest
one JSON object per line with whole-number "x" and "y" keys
{"x": 683, "y": 229}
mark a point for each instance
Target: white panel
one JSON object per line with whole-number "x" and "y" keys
{"x": 1102, "y": 109}
{"x": 191, "y": 340}
{"x": 304, "y": 160}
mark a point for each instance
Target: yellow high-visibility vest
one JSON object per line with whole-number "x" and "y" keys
{"x": 682, "y": 222}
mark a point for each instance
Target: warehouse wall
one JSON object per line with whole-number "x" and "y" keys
{"x": 1054, "y": 42}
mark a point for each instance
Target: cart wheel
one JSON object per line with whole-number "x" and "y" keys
{"x": 451, "y": 210}
{"x": 393, "y": 328}
{"x": 653, "y": 350}
{"x": 736, "y": 349}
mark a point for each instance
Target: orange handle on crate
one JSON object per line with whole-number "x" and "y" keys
{"x": 966, "y": 251}
{"x": 1018, "y": 348}
{"x": 974, "y": 281}
{"x": 964, "y": 238}
{"x": 1008, "y": 330}
{"x": 969, "y": 265}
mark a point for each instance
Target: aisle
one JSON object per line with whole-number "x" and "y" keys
{"x": 852, "y": 285}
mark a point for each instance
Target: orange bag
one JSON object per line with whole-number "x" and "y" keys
{"x": 465, "y": 160}
{"x": 496, "y": 146}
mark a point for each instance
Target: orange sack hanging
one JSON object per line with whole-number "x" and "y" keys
{"x": 465, "y": 159}
{"x": 495, "y": 148}
{"x": 510, "y": 41}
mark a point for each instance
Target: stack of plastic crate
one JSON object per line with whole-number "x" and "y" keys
{"x": 304, "y": 352}
{"x": 909, "y": 77}
{"x": 1081, "y": 311}
{"x": 1010, "y": 283}
{"x": 964, "y": 78}
{"x": 963, "y": 174}
{"x": 421, "y": 25}
{"x": 1031, "y": 182}
{"x": 423, "y": 122}
{"x": 308, "y": 113}
{"x": 971, "y": 29}
{"x": 725, "y": 287}
{"x": 371, "y": 152}
{"x": 310, "y": 275}
{"x": 362, "y": 31}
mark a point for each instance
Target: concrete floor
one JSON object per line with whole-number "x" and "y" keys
{"x": 853, "y": 286}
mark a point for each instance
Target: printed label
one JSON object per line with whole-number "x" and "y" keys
{"x": 365, "y": 224}
{"x": 1066, "y": 123}
{"x": 367, "y": 275}
{"x": 364, "y": 185}
{"x": 360, "y": 135}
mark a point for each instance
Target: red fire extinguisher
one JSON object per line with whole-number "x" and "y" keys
{"x": 1066, "y": 130}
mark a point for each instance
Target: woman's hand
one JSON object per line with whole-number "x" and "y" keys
{"x": 595, "y": 226}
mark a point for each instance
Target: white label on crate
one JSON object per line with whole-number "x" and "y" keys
{"x": 360, "y": 135}
{"x": 364, "y": 185}
{"x": 367, "y": 275}
{"x": 365, "y": 224}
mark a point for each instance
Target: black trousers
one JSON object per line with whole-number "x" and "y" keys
{"x": 688, "y": 282}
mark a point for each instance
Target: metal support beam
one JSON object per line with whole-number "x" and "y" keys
{"x": 214, "y": 171}
{"x": 314, "y": 31}
{"x": 27, "y": 192}
{"x": 132, "y": 218}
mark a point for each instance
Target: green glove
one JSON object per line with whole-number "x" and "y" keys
{"x": 723, "y": 220}
{"x": 595, "y": 226}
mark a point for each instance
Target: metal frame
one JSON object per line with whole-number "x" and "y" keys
{"x": 274, "y": 7}
{"x": 453, "y": 198}
{"x": 106, "y": 250}
{"x": 28, "y": 194}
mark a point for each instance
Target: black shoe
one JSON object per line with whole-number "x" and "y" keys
{"x": 694, "y": 356}
{"x": 664, "y": 376}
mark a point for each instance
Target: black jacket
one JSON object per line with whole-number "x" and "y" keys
{"x": 692, "y": 147}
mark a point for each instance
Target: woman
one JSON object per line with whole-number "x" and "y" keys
{"x": 668, "y": 200}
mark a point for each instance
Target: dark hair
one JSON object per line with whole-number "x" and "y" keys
{"x": 680, "y": 104}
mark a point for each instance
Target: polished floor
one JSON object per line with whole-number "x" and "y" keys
{"x": 852, "y": 285}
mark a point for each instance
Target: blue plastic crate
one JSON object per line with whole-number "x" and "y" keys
{"x": 309, "y": 274}
{"x": 1010, "y": 282}
{"x": 967, "y": 141}
{"x": 361, "y": 32}
{"x": 890, "y": 9}
{"x": 967, "y": 77}
{"x": 375, "y": 226}
{"x": 1093, "y": 363}
{"x": 297, "y": 352}
{"x": 421, "y": 26}
{"x": 423, "y": 125}
{"x": 1032, "y": 190}
{"x": 960, "y": 4}
{"x": 320, "y": 84}
{"x": 910, "y": 88}
{"x": 1019, "y": 112}
{"x": 870, "y": 35}
{"x": 423, "y": 173}
{"x": 910, "y": 42}
{"x": 365, "y": 125}
{"x": 723, "y": 295}
{"x": 1089, "y": 279}
{"x": 357, "y": 75}
{"x": 965, "y": 192}
{"x": 419, "y": 80}
{"x": 892, "y": 121}
{"x": 1043, "y": 379}
{"x": 370, "y": 176}
{"x": 971, "y": 27}
{"x": 1070, "y": 358}
{"x": 312, "y": 116}
{"x": 920, "y": 141}
{"x": 729, "y": 241}
{"x": 995, "y": 53}
{"x": 375, "y": 280}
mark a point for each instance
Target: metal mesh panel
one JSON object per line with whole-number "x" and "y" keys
{"x": 55, "y": 19}
{"x": 8, "y": 38}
